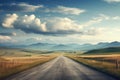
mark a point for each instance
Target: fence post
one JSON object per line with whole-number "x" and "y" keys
{"x": 117, "y": 64}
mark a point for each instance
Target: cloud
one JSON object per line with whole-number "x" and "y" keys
{"x": 66, "y": 10}
{"x": 111, "y": 1}
{"x": 9, "y": 20}
{"x": 63, "y": 25}
{"x": 14, "y": 34}
{"x": 116, "y": 18}
{"x": 37, "y": 38}
{"x": 21, "y": 7}
{"x": 100, "y": 19}
{"x": 96, "y": 20}
{"x": 32, "y": 24}
{"x": 5, "y": 38}
{"x": 26, "y": 23}
{"x": 55, "y": 26}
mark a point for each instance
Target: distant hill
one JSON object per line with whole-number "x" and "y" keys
{"x": 40, "y": 46}
{"x": 17, "y": 52}
{"x": 72, "y": 47}
{"x": 87, "y": 47}
{"x": 64, "y": 47}
{"x": 105, "y": 50}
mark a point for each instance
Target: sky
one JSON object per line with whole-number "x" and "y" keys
{"x": 59, "y": 21}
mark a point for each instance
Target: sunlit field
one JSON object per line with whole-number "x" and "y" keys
{"x": 13, "y": 64}
{"x": 109, "y": 64}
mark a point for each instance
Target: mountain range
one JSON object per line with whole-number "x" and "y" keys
{"x": 65, "y": 47}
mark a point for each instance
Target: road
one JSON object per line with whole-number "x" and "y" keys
{"x": 61, "y": 68}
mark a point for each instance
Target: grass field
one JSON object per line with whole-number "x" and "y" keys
{"x": 109, "y": 64}
{"x": 14, "y": 61}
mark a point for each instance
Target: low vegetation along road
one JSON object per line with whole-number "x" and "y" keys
{"x": 61, "y": 68}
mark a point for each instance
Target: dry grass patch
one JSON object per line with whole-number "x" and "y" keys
{"x": 12, "y": 65}
{"x": 105, "y": 63}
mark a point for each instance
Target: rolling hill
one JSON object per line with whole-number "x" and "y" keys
{"x": 104, "y": 50}
{"x": 14, "y": 52}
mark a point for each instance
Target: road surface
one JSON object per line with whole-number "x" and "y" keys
{"x": 61, "y": 68}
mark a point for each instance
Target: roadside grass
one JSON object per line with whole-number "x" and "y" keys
{"x": 13, "y": 65}
{"x": 103, "y": 66}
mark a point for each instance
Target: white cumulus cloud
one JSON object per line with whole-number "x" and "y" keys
{"x": 27, "y": 23}
{"x": 9, "y": 20}
{"x": 31, "y": 22}
{"x": 63, "y": 24}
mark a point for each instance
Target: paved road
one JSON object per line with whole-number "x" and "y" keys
{"x": 61, "y": 68}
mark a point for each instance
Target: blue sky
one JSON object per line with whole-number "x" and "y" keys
{"x": 59, "y": 21}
